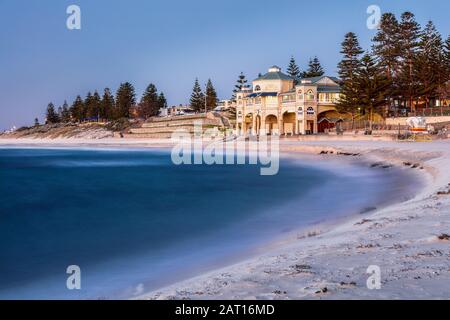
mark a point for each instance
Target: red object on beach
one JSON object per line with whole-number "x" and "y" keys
{"x": 419, "y": 129}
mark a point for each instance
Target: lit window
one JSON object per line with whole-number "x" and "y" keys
{"x": 310, "y": 95}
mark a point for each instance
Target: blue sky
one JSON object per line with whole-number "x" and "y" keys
{"x": 170, "y": 43}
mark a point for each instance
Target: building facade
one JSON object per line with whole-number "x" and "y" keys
{"x": 274, "y": 105}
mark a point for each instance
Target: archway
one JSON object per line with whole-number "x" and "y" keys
{"x": 248, "y": 122}
{"x": 271, "y": 124}
{"x": 289, "y": 123}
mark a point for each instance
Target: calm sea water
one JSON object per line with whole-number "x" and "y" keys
{"x": 134, "y": 222}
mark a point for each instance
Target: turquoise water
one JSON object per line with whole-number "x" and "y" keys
{"x": 134, "y": 222}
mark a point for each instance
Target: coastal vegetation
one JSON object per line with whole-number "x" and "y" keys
{"x": 407, "y": 66}
{"x": 107, "y": 108}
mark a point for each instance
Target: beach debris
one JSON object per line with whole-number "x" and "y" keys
{"x": 376, "y": 164}
{"x": 443, "y": 193}
{"x": 322, "y": 290}
{"x": 310, "y": 234}
{"x": 412, "y": 165}
{"x": 279, "y": 292}
{"x": 348, "y": 154}
{"x": 348, "y": 284}
{"x": 397, "y": 246}
{"x": 381, "y": 165}
{"x": 363, "y": 221}
{"x": 444, "y": 237}
{"x": 301, "y": 268}
{"x": 367, "y": 246}
{"x": 368, "y": 209}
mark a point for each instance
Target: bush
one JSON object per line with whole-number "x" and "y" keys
{"x": 119, "y": 125}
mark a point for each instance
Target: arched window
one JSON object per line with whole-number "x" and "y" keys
{"x": 310, "y": 110}
{"x": 310, "y": 95}
{"x": 300, "y": 111}
{"x": 257, "y": 88}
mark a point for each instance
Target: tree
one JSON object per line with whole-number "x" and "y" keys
{"x": 150, "y": 104}
{"x": 447, "y": 55}
{"x": 162, "y": 101}
{"x": 65, "y": 113}
{"x": 348, "y": 70}
{"x": 409, "y": 38}
{"x": 211, "y": 96}
{"x": 197, "y": 100}
{"x": 445, "y": 90}
{"x": 293, "y": 70}
{"x": 51, "y": 116}
{"x": 59, "y": 112}
{"x": 77, "y": 110}
{"x": 371, "y": 83}
{"x": 107, "y": 105}
{"x": 241, "y": 84}
{"x": 428, "y": 63}
{"x": 87, "y": 105}
{"x": 36, "y": 122}
{"x": 386, "y": 47}
{"x": 93, "y": 103}
{"x": 314, "y": 69}
{"x": 125, "y": 99}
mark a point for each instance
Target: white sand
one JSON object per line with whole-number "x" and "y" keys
{"x": 401, "y": 239}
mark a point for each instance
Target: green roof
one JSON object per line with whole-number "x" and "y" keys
{"x": 329, "y": 89}
{"x": 274, "y": 76}
{"x": 316, "y": 79}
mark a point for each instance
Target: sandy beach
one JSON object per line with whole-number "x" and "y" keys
{"x": 408, "y": 241}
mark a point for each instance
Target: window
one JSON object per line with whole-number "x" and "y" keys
{"x": 257, "y": 88}
{"x": 300, "y": 95}
{"x": 310, "y": 95}
{"x": 288, "y": 98}
{"x": 258, "y": 100}
{"x": 310, "y": 110}
{"x": 300, "y": 111}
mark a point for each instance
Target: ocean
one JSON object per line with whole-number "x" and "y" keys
{"x": 132, "y": 221}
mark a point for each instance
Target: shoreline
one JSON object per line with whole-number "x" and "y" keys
{"x": 294, "y": 269}
{"x": 270, "y": 275}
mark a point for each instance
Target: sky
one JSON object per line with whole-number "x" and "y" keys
{"x": 170, "y": 43}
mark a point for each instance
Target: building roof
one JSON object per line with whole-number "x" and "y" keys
{"x": 274, "y": 74}
{"x": 316, "y": 79}
{"x": 328, "y": 89}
